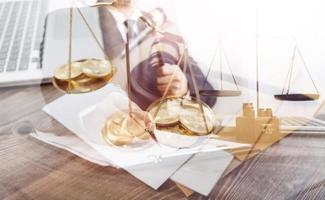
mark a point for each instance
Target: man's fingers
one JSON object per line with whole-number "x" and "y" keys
{"x": 164, "y": 80}
{"x": 171, "y": 74}
{"x": 175, "y": 85}
{"x": 165, "y": 70}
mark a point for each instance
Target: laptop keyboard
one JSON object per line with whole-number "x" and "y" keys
{"x": 301, "y": 121}
{"x": 302, "y": 125}
{"x": 21, "y": 33}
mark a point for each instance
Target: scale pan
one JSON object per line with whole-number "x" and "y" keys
{"x": 297, "y": 97}
{"x": 87, "y": 75}
{"x": 220, "y": 93}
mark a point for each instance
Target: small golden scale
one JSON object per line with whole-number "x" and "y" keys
{"x": 181, "y": 115}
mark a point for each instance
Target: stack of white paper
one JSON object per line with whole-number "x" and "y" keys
{"x": 203, "y": 171}
{"x": 85, "y": 115}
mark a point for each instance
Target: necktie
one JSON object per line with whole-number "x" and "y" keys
{"x": 131, "y": 28}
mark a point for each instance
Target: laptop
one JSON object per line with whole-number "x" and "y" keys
{"x": 315, "y": 124}
{"x": 302, "y": 124}
{"x": 33, "y": 43}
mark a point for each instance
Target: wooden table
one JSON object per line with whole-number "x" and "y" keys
{"x": 294, "y": 168}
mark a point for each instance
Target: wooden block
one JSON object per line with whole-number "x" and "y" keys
{"x": 188, "y": 192}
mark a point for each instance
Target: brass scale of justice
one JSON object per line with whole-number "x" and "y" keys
{"x": 180, "y": 115}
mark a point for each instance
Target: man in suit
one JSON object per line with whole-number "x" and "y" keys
{"x": 155, "y": 56}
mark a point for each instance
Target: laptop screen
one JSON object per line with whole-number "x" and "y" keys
{"x": 320, "y": 113}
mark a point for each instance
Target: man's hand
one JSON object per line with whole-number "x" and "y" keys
{"x": 178, "y": 85}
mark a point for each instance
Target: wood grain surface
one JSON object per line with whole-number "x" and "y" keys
{"x": 293, "y": 168}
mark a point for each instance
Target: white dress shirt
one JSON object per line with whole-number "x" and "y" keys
{"x": 120, "y": 19}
